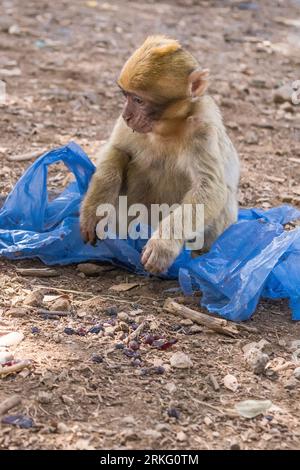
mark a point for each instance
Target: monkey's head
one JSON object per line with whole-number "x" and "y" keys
{"x": 159, "y": 82}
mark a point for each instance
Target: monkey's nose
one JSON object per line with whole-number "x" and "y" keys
{"x": 127, "y": 117}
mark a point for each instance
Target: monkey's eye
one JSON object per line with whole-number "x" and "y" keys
{"x": 137, "y": 100}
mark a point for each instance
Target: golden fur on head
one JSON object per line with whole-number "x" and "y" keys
{"x": 160, "y": 67}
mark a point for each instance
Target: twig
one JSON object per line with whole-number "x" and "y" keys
{"x": 9, "y": 403}
{"x": 89, "y": 294}
{"x": 217, "y": 324}
{"x": 188, "y": 300}
{"x": 214, "y": 382}
{"x": 250, "y": 329}
{"x": 56, "y": 313}
{"x": 208, "y": 405}
{"x": 26, "y": 156}
{"x": 58, "y": 289}
{"x": 286, "y": 365}
{"x": 37, "y": 272}
{"x": 136, "y": 333}
{"x": 15, "y": 367}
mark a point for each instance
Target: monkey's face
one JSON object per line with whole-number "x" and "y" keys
{"x": 139, "y": 113}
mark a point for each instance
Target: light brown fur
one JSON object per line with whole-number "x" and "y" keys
{"x": 187, "y": 158}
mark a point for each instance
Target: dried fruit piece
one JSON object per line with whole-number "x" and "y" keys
{"x": 173, "y": 413}
{"x": 163, "y": 344}
{"x": 18, "y": 420}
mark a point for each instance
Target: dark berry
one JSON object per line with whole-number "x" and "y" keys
{"x": 134, "y": 345}
{"x": 69, "y": 331}
{"x": 97, "y": 359}
{"x": 111, "y": 311}
{"x": 95, "y": 329}
{"x": 173, "y": 413}
{"x": 35, "y": 330}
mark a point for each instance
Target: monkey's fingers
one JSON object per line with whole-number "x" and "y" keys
{"x": 151, "y": 262}
{"x": 88, "y": 234}
{"x": 146, "y": 254}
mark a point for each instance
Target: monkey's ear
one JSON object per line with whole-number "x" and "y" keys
{"x": 198, "y": 82}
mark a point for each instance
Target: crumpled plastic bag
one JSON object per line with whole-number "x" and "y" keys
{"x": 254, "y": 257}
{"x": 31, "y": 226}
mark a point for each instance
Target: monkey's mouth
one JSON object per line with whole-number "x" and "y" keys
{"x": 142, "y": 128}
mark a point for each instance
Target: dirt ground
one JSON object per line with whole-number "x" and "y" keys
{"x": 59, "y": 61}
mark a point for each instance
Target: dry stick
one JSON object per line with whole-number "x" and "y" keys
{"x": 286, "y": 365}
{"x": 37, "y": 272}
{"x": 208, "y": 405}
{"x": 15, "y": 367}
{"x": 190, "y": 300}
{"x": 26, "y": 156}
{"x": 250, "y": 329}
{"x": 89, "y": 294}
{"x": 136, "y": 333}
{"x": 217, "y": 324}
{"x": 195, "y": 301}
{"x": 57, "y": 313}
{"x": 69, "y": 291}
{"x": 214, "y": 382}
{"x": 9, "y": 403}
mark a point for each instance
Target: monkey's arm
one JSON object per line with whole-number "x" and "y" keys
{"x": 104, "y": 188}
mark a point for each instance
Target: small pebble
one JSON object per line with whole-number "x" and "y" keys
{"x": 181, "y": 436}
{"x": 61, "y": 305}
{"x": 123, "y": 316}
{"x": 186, "y": 322}
{"x": 297, "y": 373}
{"x": 34, "y": 299}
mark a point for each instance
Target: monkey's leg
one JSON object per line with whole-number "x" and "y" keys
{"x": 104, "y": 188}
{"x": 163, "y": 247}
{"x": 159, "y": 253}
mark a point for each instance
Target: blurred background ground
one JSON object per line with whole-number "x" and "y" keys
{"x": 60, "y": 61}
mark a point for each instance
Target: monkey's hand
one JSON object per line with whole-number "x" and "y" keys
{"x": 159, "y": 254}
{"x": 88, "y": 223}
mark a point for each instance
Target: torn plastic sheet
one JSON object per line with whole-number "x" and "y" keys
{"x": 254, "y": 257}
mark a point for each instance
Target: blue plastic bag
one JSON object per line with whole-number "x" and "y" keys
{"x": 33, "y": 227}
{"x": 254, "y": 257}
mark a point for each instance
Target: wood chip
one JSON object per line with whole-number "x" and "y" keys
{"x": 9, "y": 403}
{"x": 15, "y": 368}
{"x": 214, "y": 382}
{"x": 51, "y": 313}
{"x": 91, "y": 269}
{"x": 275, "y": 179}
{"x": 37, "y": 272}
{"x": 124, "y": 287}
{"x": 26, "y": 156}
{"x": 294, "y": 160}
{"x": 11, "y": 339}
{"x": 216, "y": 324}
{"x": 136, "y": 333}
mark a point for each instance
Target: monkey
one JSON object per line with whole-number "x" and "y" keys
{"x": 169, "y": 145}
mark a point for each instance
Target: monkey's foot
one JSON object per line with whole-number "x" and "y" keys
{"x": 159, "y": 254}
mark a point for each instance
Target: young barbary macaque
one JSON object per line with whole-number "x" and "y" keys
{"x": 168, "y": 146}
